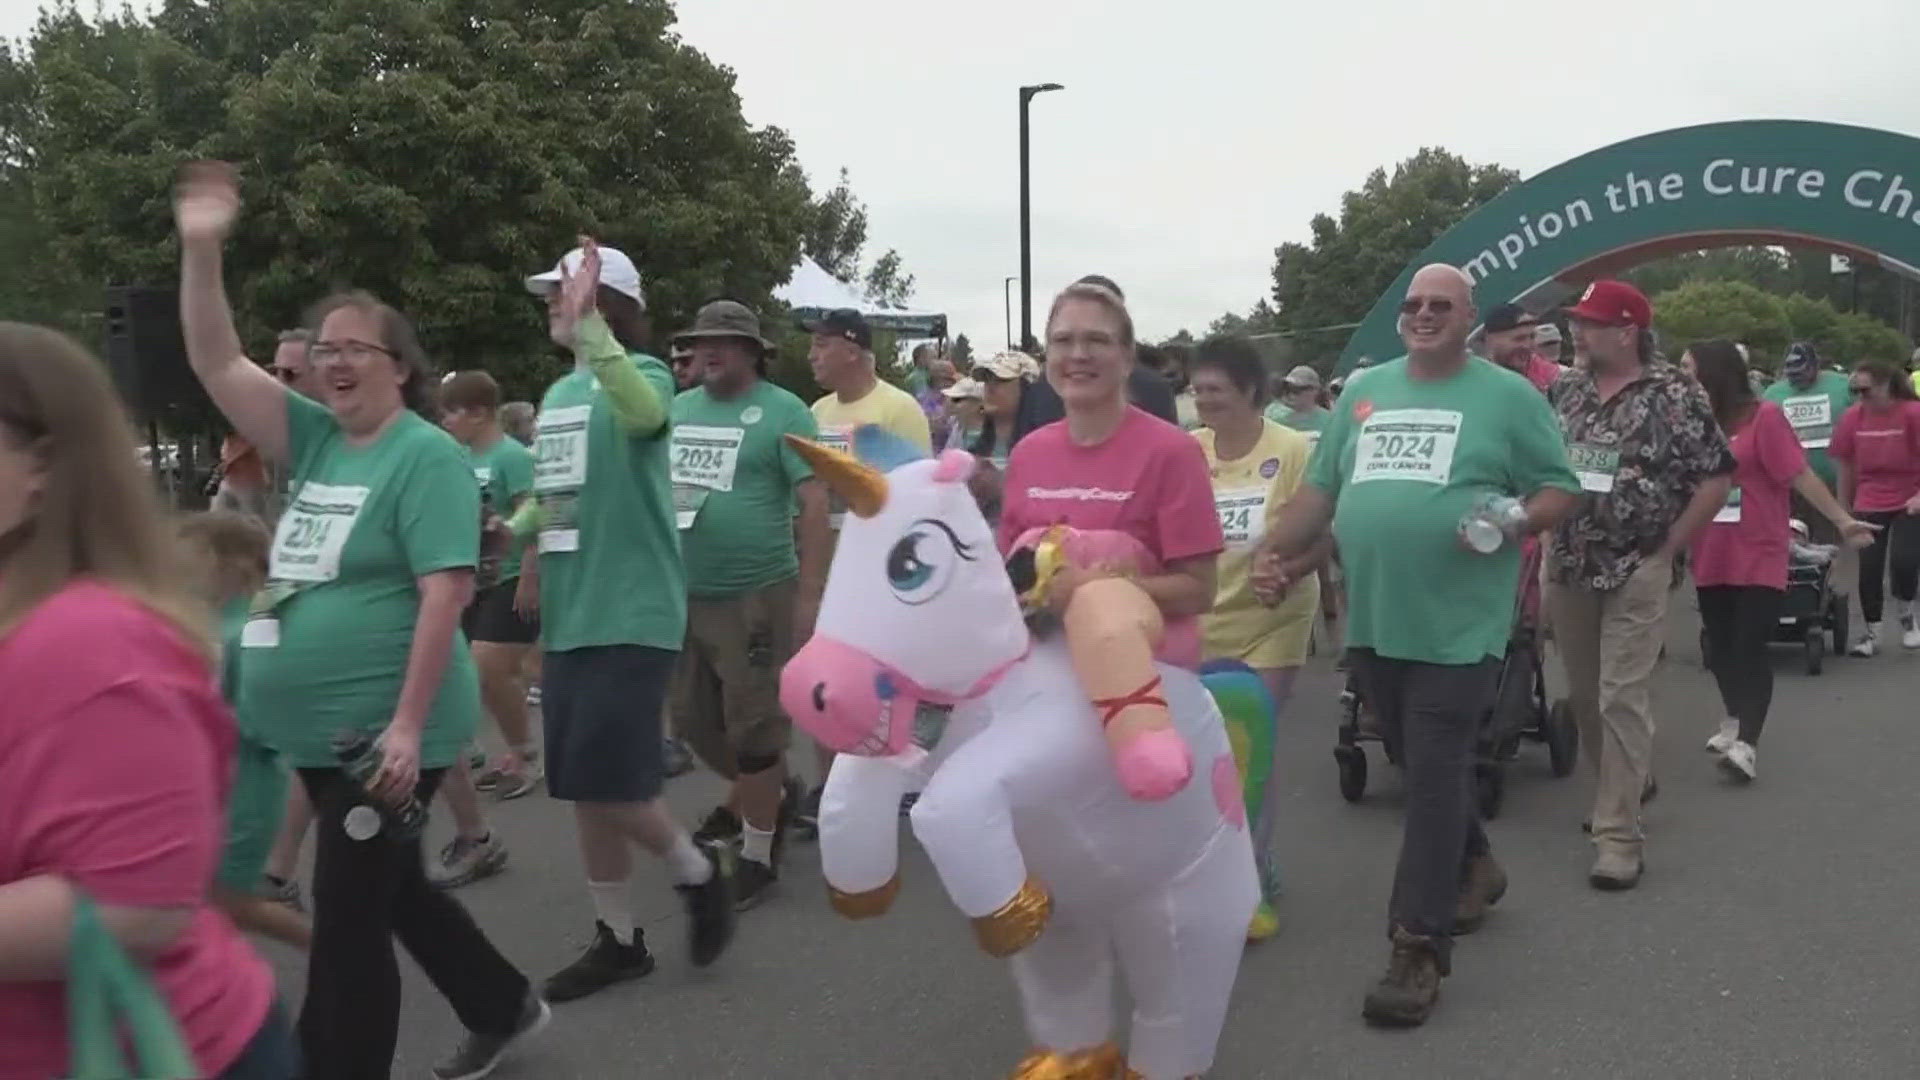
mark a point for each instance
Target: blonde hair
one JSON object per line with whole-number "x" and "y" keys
{"x": 1098, "y": 294}
{"x": 96, "y": 516}
{"x": 227, "y": 552}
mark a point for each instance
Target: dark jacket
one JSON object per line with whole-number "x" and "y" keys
{"x": 1040, "y": 404}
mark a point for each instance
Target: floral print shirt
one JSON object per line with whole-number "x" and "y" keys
{"x": 1640, "y": 456}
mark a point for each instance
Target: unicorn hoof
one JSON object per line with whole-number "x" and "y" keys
{"x": 865, "y": 905}
{"x": 1099, "y": 1063}
{"x": 1154, "y": 765}
{"x": 1017, "y": 923}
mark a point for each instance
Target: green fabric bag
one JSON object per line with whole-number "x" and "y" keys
{"x": 107, "y": 993}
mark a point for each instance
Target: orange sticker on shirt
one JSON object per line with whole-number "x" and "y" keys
{"x": 1362, "y": 409}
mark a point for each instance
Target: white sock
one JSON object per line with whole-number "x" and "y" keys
{"x": 613, "y": 905}
{"x": 756, "y": 844}
{"x": 688, "y": 863}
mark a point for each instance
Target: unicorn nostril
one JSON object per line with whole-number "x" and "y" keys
{"x": 819, "y": 697}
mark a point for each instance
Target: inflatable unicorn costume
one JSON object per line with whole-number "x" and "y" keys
{"x": 1023, "y": 811}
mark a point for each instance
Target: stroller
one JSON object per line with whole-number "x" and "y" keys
{"x": 1519, "y": 713}
{"x": 1813, "y": 612}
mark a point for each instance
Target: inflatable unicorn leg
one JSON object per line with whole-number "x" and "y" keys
{"x": 860, "y": 832}
{"x": 964, "y": 820}
{"x": 1066, "y": 989}
{"x": 1180, "y": 953}
{"x": 1112, "y": 629}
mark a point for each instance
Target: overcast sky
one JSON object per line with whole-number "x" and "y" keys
{"x": 1194, "y": 136}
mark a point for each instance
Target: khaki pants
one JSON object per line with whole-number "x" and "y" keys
{"x": 1609, "y": 643}
{"x": 725, "y": 694}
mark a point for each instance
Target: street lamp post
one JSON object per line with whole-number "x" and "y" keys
{"x": 1007, "y": 299}
{"x": 1026, "y": 215}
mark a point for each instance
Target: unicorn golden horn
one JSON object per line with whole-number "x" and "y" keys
{"x": 861, "y": 485}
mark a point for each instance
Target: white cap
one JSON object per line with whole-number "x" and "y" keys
{"x": 617, "y": 272}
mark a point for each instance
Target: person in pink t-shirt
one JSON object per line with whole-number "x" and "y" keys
{"x": 1877, "y": 447}
{"x": 115, "y": 747}
{"x": 1740, "y": 559}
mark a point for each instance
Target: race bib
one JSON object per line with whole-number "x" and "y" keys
{"x": 836, "y": 506}
{"x": 1595, "y": 466}
{"x": 313, "y": 532}
{"x": 262, "y": 632}
{"x": 1730, "y": 511}
{"x": 1811, "y": 418}
{"x": 560, "y": 449}
{"x": 706, "y": 457}
{"x": 1407, "y": 444}
{"x": 1243, "y": 515}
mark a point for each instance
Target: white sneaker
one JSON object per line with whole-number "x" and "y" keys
{"x": 1869, "y": 642}
{"x": 1909, "y": 633}
{"x": 1728, "y": 734}
{"x": 1738, "y": 761}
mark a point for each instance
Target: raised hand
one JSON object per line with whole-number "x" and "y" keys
{"x": 577, "y": 292}
{"x": 206, "y": 200}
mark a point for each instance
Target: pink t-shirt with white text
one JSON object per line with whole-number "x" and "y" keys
{"x": 1753, "y": 549}
{"x": 1884, "y": 450}
{"x": 1542, "y": 372}
{"x": 116, "y": 753}
{"x": 1148, "y": 480}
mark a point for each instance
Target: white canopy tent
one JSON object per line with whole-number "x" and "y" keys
{"x": 812, "y": 292}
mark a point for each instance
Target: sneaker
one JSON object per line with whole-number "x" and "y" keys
{"x": 605, "y": 963}
{"x": 1616, "y": 871}
{"x": 1909, "y": 633}
{"x": 464, "y": 861}
{"x": 722, "y": 826}
{"x": 512, "y": 785}
{"x": 489, "y": 780}
{"x": 476, "y": 759}
{"x": 1729, "y": 731}
{"x": 1405, "y": 996}
{"x": 1869, "y": 642}
{"x": 479, "y": 1054}
{"x": 1265, "y": 924}
{"x": 1481, "y": 888}
{"x": 1738, "y": 762}
{"x": 807, "y": 821}
{"x": 281, "y": 891}
{"x": 751, "y": 881}
{"x": 676, "y": 756}
{"x": 709, "y": 911}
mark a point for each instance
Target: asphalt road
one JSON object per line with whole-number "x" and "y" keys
{"x": 1773, "y": 936}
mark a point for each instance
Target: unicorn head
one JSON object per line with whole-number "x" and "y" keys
{"x": 918, "y": 606}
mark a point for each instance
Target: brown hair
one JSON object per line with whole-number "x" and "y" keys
{"x": 1721, "y": 372}
{"x": 229, "y": 552}
{"x": 1098, "y": 294}
{"x": 396, "y": 334}
{"x": 1889, "y": 375}
{"x": 97, "y": 516}
{"x": 470, "y": 390}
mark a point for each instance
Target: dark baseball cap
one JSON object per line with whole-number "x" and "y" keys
{"x": 1509, "y": 317}
{"x": 846, "y": 323}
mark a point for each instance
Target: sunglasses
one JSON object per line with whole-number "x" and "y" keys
{"x": 1414, "y": 305}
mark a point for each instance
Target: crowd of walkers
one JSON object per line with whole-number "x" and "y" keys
{"x": 395, "y": 556}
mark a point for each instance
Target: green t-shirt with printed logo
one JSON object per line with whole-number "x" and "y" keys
{"x": 1813, "y": 413}
{"x": 610, "y": 571}
{"x": 362, "y": 525}
{"x": 1405, "y": 461}
{"x": 505, "y": 474}
{"x": 733, "y": 481}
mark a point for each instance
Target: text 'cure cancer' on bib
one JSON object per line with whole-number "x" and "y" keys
{"x": 1595, "y": 466}
{"x": 704, "y": 461}
{"x": 559, "y": 472}
{"x": 1811, "y": 418}
{"x": 1729, "y": 513}
{"x": 1407, "y": 444}
{"x": 1243, "y": 515}
{"x": 313, "y": 532}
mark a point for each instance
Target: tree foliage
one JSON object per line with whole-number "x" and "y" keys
{"x": 961, "y": 353}
{"x": 887, "y": 282}
{"x": 1767, "y": 323}
{"x": 837, "y": 231}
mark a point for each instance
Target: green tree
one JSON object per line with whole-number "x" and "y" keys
{"x": 1382, "y": 226}
{"x": 961, "y": 353}
{"x": 887, "y": 282}
{"x": 837, "y": 231}
{"x": 1767, "y": 324}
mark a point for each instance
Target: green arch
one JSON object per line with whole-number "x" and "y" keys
{"x": 1851, "y": 190}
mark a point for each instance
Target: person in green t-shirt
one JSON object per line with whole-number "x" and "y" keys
{"x": 1410, "y": 453}
{"x": 613, "y": 613}
{"x": 1814, "y": 398}
{"x": 358, "y": 632}
{"x": 1298, "y": 404}
{"x": 755, "y": 572}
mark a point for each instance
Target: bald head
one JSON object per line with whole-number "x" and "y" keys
{"x": 1437, "y": 315}
{"x": 1440, "y": 279}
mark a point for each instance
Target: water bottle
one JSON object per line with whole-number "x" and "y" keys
{"x": 1492, "y": 519}
{"x": 359, "y": 756}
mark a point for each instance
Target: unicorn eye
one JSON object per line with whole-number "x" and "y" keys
{"x": 920, "y": 564}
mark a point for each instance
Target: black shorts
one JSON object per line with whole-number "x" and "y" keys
{"x": 491, "y": 617}
{"x": 600, "y": 709}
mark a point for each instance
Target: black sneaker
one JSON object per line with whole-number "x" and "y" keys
{"x": 709, "y": 911}
{"x": 479, "y": 1054}
{"x": 806, "y": 823}
{"x": 752, "y": 879}
{"x": 722, "y": 826}
{"x": 605, "y": 962}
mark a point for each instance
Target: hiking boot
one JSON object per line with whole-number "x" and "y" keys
{"x": 605, "y": 963}
{"x": 465, "y": 860}
{"x": 752, "y": 879}
{"x": 1481, "y": 888}
{"x": 1405, "y": 996}
{"x": 479, "y": 1054}
{"x": 709, "y": 911}
{"x": 1616, "y": 871}
{"x": 722, "y": 826}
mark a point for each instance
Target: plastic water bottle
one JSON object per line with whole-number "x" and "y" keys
{"x": 359, "y": 756}
{"x": 1491, "y": 521}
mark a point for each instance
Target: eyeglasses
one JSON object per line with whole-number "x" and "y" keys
{"x": 1413, "y": 305}
{"x": 329, "y": 350}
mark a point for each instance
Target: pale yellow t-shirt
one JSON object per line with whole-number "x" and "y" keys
{"x": 1248, "y": 493}
{"x": 887, "y": 406}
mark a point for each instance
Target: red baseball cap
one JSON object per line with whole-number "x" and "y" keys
{"x": 1613, "y": 303}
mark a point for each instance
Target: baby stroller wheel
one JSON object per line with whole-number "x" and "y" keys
{"x": 1837, "y": 622}
{"x": 1490, "y": 788}
{"x": 1563, "y": 739}
{"x": 1353, "y": 771}
{"x": 1816, "y": 650}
